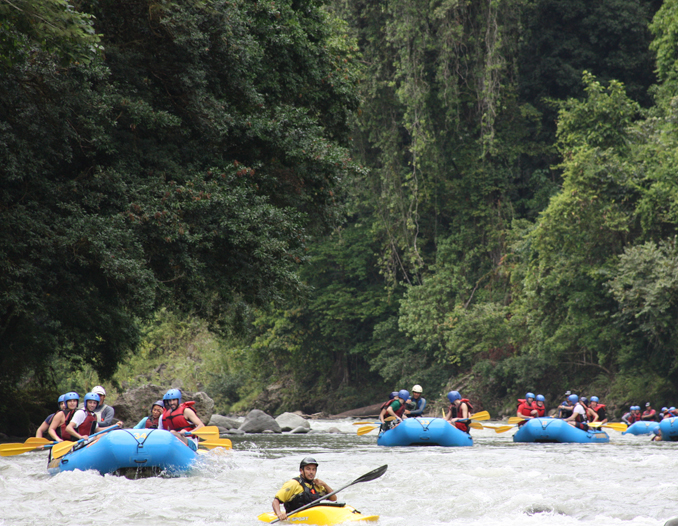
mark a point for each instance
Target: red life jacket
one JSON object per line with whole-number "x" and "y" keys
{"x": 87, "y": 427}
{"x": 649, "y": 414}
{"x": 524, "y": 409}
{"x": 455, "y": 413}
{"x": 152, "y": 424}
{"x": 398, "y": 413}
{"x": 633, "y": 418}
{"x": 175, "y": 420}
{"x": 541, "y": 411}
{"x": 61, "y": 430}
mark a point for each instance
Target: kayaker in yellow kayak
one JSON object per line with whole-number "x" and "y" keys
{"x": 301, "y": 490}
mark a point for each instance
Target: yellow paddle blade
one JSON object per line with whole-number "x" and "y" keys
{"x": 11, "y": 445}
{"x": 476, "y": 425}
{"x": 515, "y": 420}
{"x": 38, "y": 441}
{"x": 617, "y": 426}
{"x": 483, "y": 415}
{"x": 18, "y": 449}
{"x": 503, "y": 429}
{"x": 60, "y": 449}
{"x": 207, "y": 432}
{"x": 366, "y": 429}
{"x": 222, "y": 442}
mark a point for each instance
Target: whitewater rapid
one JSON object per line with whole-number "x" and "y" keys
{"x": 629, "y": 481}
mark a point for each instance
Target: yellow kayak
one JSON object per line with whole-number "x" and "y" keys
{"x": 324, "y": 515}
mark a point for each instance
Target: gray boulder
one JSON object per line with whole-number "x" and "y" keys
{"x": 257, "y": 421}
{"x": 334, "y": 430}
{"x": 134, "y": 404}
{"x": 223, "y": 421}
{"x": 231, "y": 432}
{"x": 290, "y": 421}
{"x": 300, "y": 430}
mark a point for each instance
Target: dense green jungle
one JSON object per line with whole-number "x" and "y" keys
{"x": 305, "y": 204}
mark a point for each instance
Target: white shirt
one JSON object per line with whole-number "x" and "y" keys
{"x": 579, "y": 410}
{"x": 78, "y": 418}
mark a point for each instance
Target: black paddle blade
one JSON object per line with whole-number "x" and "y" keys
{"x": 375, "y": 474}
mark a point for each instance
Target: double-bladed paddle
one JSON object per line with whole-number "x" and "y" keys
{"x": 375, "y": 474}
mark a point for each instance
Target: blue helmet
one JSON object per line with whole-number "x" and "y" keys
{"x": 61, "y": 399}
{"x": 92, "y": 396}
{"x": 573, "y": 398}
{"x": 404, "y": 394}
{"x": 453, "y": 395}
{"x": 71, "y": 396}
{"x": 529, "y": 395}
{"x": 393, "y": 395}
{"x": 595, "y": 399}
{"x": 158, "y": 403}
{"x": 172, "y": 394}
{"x": 665, "y": 409}
{"x": 584, "y": 400}
{"x": 540, "y": 398}
{"x": 672, "y": 408}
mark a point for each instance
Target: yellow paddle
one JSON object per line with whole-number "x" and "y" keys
{"x": 207, "y": 432}
{"x": 17, "y": 449}
{"x": 617, "y": 426}
{"x": 515, "y": 420}
{"x": 222, "y": 442}
{"x": 60, "y": 449}
{"x": 39, "y": 441}
{"x": 364, "y": 430}
{"x": 503, "y": 429}
{"x": 387, "y": 419}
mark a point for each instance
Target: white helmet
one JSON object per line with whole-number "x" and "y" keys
{"x": 417, "y": 389}
{"x": 99, "y": 390}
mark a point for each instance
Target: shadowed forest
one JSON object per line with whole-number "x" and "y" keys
{"x": 338, "y": 198}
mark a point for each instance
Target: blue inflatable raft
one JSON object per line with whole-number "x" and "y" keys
{"x": 557, "y": 430}
{"x": 641, "y": 428}
{"x": 424, "y": 432}
{"x": 140, "y": 450}
{"x": 669, "y": 428}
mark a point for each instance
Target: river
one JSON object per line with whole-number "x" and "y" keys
{"x": 495, "y": 483}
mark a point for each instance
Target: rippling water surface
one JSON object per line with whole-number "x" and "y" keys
{"x": 496, "y": 482}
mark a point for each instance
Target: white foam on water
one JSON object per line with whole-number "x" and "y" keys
{"x": 629, "y": 482}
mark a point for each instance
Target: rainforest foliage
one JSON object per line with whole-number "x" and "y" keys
{"x": 355, "y": 194}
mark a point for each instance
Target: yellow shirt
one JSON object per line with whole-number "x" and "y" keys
{"x": 292, "y": 488}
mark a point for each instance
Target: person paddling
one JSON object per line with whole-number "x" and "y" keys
{"x": 526, "y": 408}
{"x": 580, "y": 413}
{"x": 301, "y": 490}
{"x": 649, "y": 414}
{"x": 105, "y": 413}
{"x": 599, "y": 409}
{"x": 395, "y": 408}
{"x": 419, "y": 403}
{"x": 540, "y": 405}
{"x": 57, "y": 427}
{"x": 565, "y": 409}
{"x": 180, "y": 418}
{"x": 84, "y": 421}
{"x": 44, "y": 427}
{"x": 152, "y": 421}
{"x": 459, "y": 412}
